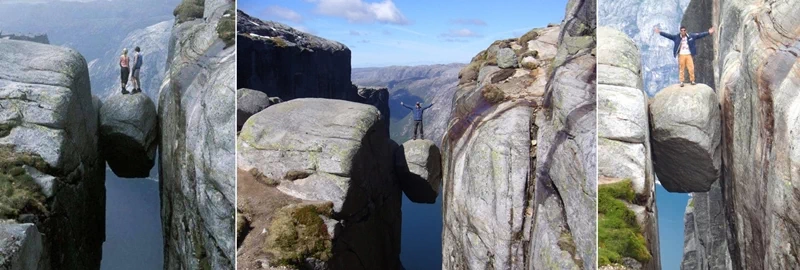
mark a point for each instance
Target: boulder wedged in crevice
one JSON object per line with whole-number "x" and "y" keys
{"x": 686, "y": 136}
{"x": 129, "y": 134}
{"x": 418, "y": 167}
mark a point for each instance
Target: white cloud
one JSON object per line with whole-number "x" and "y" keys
{"x": 284, "y": 13}
{"x": 461, "y": 33}
{"x": 469, "y": 22}
{"x": 362, "y": 12}
{"x": 354, "y": 33}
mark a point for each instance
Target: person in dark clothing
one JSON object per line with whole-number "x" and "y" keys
{"x": 137, "y": 65}
{"x": 684, "y": 49}
{"x": 124, "y": 70}
{"x": 418, "y": 110}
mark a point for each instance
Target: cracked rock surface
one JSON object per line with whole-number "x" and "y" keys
{"x": 46, "y": 111}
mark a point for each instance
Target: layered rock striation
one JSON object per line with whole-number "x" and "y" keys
{"x": 624, "y": 154}
{"x": 519, "y": 154}
{"x": 50, "y": 162}
{"x": 197, "y": 104}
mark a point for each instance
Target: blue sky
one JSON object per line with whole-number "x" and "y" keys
{"x": 671, "y": 209}
{"x": 386, "y": 32}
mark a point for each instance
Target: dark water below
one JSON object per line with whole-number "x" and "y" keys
{"x": 133, "y": 224}
{"x": 421, "y": 240}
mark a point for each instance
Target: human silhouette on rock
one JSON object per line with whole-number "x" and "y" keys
{"x": 124, "y": 69}
{"x": 418, "y": 110}
{"x": 684, "y": 48}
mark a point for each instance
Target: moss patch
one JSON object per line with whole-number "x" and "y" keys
{"x": 618, "y": 233}
{"x": 295, "y": 174}
{"x": 263, "y": 178}
{"x": 226, "y": 28}
{"x": 298, "y": 232}
{"x": 19, "y": 193}
{"x": 189, "y": 10}
{"x": 279, "y": 42}
{"x": 492, "y": 94}
{"x": 530, "y": 35}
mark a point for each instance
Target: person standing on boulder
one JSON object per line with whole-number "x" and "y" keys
{"x": 137, "y": 65}
{"x": 685, "y": 50}
{"x": 124, "y": 62}
{"x": 418, "y": 110}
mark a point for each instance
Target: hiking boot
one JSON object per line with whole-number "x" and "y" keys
{"x": 692, "y": 83}
{"x": 124, "y": 91}
{"x": 681, "y": 84}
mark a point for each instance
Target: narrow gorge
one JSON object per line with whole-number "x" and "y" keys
{"x": 730, "y": 141}
{"x": 338, "y": 181}
{"x": 56, "y": 138}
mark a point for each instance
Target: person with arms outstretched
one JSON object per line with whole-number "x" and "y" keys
{"x": 418, "y": 110}
{"x": 684, "y": 49}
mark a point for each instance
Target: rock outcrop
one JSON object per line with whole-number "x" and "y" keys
{"x": 378, "y": 97}
{"x": 276, "y": 59}
{"x": 39, "y": 38}
{"x": 49, "y": 152}
{"x": 623, "y": 148}
{"x": 705, "y": 244}
{"x": 21, "y": 248}
{"x": 431, "y": 84}
{"x": 637, "y": 18}
{"x": 197, "y": 161}
{"x": 756, "y": 75}
{"x": 418, "y": 165}
{"x": 686, "y": 137}
{"x": 314, "y": 157}
{"x": 248, "y": 103}
{"x": 128, "y": 133}
{"x": 524, "y": 140}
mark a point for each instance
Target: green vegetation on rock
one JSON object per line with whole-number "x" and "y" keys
{"x": 279, "y": 42}
{"x": 618, "y": 233}
{"x": 298, "y": 232}
{"x": 189, "y": 10}
{"x": 530, "y": 35}
{"x": 226, "y": 28}
{"x": 19, "y": 192}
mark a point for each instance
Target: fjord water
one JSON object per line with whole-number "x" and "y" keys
{"x": 421, "y": 246}
{"x": 133, "y": 223}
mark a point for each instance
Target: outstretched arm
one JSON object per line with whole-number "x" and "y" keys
{"x": 704, "y": 34}
{"x": 426, "y": 107}
{"x": 666, "y": 35}
{"x": 407, "y": 107}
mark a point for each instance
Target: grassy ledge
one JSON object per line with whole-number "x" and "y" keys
{"x": 19, "y": 192}
{"x": 618, "y": 233}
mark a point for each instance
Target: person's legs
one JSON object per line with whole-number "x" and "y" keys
{"x": 681, "y": 66}
{"x": 124, "y": 74}
{"x": 690, "y": 66}
{"x": 416, "y": 126}
{"x": 421, "y": 130}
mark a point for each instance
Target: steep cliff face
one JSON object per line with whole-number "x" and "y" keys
{"x": 705, "y": 244}
{"x": 434, "y": 84}
{"x": 51, "y": 171}
{"x": 519, "y": 153}
{"x": 757, "y": 66}
{"x": 286, "y": 63}
{"x": 197, "y": 110}
{"x": 624, "y": 152}
{"x": 636, "y": 18}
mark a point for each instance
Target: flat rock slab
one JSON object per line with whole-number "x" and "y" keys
{"x": 686, "y": 137}
{"x": 21, "y": 247}
{"x": 128, "y": 130}
{"x": 418, "y": 165}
